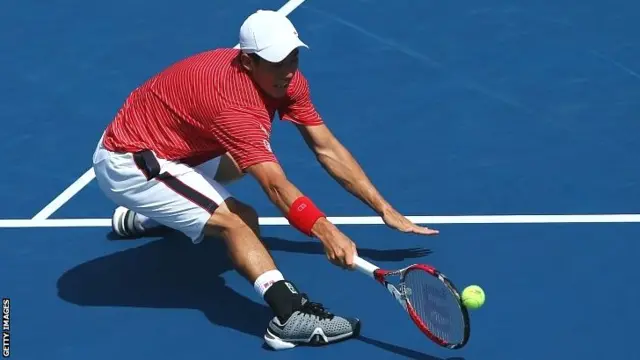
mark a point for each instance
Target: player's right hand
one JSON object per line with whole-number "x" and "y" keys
{"x": 340, "y": 250}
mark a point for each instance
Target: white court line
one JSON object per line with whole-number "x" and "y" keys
{"x": 66, "y": 195}
{"x": 365, "y": 220}
{"x": 89, "y": 175}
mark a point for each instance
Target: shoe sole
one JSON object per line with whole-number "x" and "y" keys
{"x": 119, "y": 224}
{"x": 317, "y": 338}
{"x": 117, "y": 221}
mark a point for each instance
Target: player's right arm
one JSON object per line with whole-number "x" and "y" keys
{"x": 302, "y": 213}
{"x": 243, "y": 135}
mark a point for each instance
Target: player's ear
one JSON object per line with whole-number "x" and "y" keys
{"x": 245, "y": 61}
{"x": 248, "y": 61}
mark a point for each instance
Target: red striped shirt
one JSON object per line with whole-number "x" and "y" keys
{"x": 204, "y": 106}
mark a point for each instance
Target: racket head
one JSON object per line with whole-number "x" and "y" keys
{"x": 435, "y": 306}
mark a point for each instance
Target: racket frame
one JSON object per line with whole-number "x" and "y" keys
{"x": 381, "y": 275}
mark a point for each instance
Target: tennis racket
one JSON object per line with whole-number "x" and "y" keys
{"x": 430, "y": 299}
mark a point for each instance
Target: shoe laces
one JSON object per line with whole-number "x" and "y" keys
{"x": 315, "y": 309}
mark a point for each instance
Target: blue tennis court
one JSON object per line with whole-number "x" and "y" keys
{"x": 459, "y": 112}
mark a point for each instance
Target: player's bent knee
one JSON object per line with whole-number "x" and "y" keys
{"x": 233, "y": 215}
{"x": 246, "y": 212}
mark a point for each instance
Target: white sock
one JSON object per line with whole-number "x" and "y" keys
{"x": 264, "y": 281}
{"x": 143, "y": 223}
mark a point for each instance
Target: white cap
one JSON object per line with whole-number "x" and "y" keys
{"x": 270, "y": 35}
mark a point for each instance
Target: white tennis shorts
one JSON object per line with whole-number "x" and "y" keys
{"x": 173, "y": 194}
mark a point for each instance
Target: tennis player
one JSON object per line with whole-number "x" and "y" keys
{"x": 206, "y": 121}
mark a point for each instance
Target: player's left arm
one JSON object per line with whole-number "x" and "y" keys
{"x": 342, "y": 166}
{"x": 338, "y": 161}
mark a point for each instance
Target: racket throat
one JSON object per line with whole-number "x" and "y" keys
{"x": 397, "y": 294}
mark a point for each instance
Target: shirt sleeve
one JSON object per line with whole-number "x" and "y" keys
{"x": 243, "y": 135}
{"x": 299, "y": 108}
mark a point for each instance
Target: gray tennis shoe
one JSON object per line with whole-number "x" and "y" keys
{"x": 312, "y": 325}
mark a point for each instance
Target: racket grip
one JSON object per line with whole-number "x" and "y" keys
{"x": 364, "y": 266}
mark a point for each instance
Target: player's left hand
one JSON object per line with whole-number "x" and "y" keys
{"x": 395, "y": 220}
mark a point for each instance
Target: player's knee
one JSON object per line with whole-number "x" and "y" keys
{"x": 234, "y": 215}
{"x": 247, "y": 214}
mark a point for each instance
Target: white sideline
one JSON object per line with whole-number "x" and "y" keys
{"x": 366, "y": 220}
{"x": 89, "y": 175}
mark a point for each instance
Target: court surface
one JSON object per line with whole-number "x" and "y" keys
{"x": 461, "y": 110}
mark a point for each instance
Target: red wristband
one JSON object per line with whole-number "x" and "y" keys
{"x": 303, "y": 214}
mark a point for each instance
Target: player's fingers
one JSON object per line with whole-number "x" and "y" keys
{"x": 339, "y": 258}
{"x": 343, "y": 258}
{"x": 339, "y": 262}
{"x": 432, "y": 231}
{"x": 353, "y": 256}
{"x": 349, "y": 256}
{"x": 331, "y": 256}
{"x": 425, "y": 230}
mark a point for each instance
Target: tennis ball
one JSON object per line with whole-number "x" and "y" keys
{"x": 473, "y": 297}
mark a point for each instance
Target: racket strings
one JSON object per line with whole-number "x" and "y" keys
{"x": 435, "y": 305}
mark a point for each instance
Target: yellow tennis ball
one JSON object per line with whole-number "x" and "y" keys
{"x": 473, "y": 297}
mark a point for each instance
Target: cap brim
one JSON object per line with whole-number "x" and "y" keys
{"x": 279, "y": 51}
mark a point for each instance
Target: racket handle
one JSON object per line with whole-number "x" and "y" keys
{"x": 364, "y": 266}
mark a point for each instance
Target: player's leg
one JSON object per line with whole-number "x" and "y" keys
{"x": 183, "y": 199}
{"x": 297, "y": 320}
{"x": 175, "y": 196}
{"x": 128, "y": 224}
{"x": 226, "y": 169}
{"x": 237, "y": 224}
